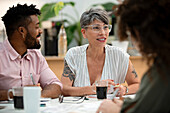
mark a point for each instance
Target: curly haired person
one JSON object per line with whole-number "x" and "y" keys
{"x": 146, "y": 22}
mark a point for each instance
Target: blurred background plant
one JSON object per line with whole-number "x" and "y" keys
{"x": 73, "y": 29}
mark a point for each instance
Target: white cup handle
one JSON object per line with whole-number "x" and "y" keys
{"x": 10, "y": 90}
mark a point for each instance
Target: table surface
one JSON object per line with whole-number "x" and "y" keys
{"x": 89, "y": 105}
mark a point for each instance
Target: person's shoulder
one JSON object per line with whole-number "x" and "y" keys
{"x": 1, "y": 46}
{"x": 77, "y": 50}
{"x": 35, "y": 52}
{"x": 114, "y": 48}
{"x": 2, "y": 49}
{"x": 116, "y": 51}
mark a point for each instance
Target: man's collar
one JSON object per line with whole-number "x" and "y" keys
{"x": 27, "y": 55}
{"x": 13, "y": 53}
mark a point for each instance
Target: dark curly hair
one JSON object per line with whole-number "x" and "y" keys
{"x": 18, "y": 16}
{"x": 148, "y": 22}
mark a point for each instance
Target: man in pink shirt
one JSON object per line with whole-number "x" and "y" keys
{"x": 19, "y": 55}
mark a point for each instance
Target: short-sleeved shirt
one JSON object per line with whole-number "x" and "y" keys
{"x": 115, "y": 66}
{"x": 15, "y": 71}
{"x": 153, "y": 95}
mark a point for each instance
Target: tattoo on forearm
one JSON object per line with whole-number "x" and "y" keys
{"x": 67, "y": 72}
{"x": 134, "y": 72}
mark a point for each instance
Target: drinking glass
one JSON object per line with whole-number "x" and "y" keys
{"x": 101, "y": 89}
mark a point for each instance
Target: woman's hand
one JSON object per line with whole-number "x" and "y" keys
{"x": 110, "y": 82}
{"x": 122, "y": 90}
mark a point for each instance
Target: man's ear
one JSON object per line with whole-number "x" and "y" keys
{"x": 22, "y": 31}
{"x": 83, "y": 31}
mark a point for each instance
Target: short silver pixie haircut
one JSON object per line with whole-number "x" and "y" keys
{"x": 93, "y": 14}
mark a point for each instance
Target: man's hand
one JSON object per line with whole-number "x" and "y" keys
{"x": 3, "y": 95}
{"x": 51, "y": 91}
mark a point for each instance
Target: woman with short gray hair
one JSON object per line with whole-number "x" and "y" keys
{"x": 94, "y": 14}
{"x": 86, "y": 64}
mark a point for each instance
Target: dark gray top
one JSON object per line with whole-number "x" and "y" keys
{"x": 153, "y": 95}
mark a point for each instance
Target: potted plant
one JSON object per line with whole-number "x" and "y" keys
{"x": 73, "y": 30}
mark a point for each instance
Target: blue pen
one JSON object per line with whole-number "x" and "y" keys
{"x": 32, "y": 79}
{"x": 115, "y": 93}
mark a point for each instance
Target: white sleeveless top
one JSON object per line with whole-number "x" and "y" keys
{"x": 115, "y": 66}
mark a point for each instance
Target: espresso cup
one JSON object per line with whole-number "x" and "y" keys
{"x": 101, "y": 89}
{"x": 17, "y": 97}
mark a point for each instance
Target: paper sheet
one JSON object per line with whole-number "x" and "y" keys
{"x": 123, "y": 44}
{"x": 85, "y": 107}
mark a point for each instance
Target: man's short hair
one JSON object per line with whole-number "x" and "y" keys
{"x": 19, "y": 16}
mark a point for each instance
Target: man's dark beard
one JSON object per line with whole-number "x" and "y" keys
{"x": 31, "y": 42}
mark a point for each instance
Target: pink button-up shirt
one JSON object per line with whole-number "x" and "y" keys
{"x": 15, "y": 71}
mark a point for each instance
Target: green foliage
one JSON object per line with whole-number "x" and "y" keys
{"x": 57, "y": 7}
{"x": 107, "y": 6}
{"x": 52, "y": 9}
{"x": 47, "y": 12}
{"x": 70, "y": 33}
{"x": 73, "y": 30}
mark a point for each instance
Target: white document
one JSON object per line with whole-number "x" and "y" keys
{"x": 88, "y": 106}
{"x": 123, "y": 44}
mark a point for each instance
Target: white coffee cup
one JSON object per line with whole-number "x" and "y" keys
{"x": 17, "y": 97}
{"x": 32, "y": 99}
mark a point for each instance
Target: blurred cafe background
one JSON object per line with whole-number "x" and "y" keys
{"x": 56, "y": 13}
